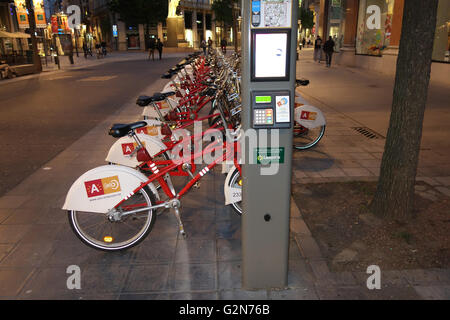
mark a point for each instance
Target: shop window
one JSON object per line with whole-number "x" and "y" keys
{"x": 374, "y": 26}
{"x": 336, "y": 22}
{"x": 441, "y": 49}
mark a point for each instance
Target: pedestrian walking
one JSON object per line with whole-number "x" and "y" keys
{"x": 328, "y": 48}
{"x": 151, "y": 48}
{"x": 210, "y": 43}
{"x": 203, "y": 46}
{"x": 223, "y": 46}
{"x": 318, "y": 49}
{"x": 104, "y": 51}
{"x": 85, "y": 50}
{"x": 303, "y": 42}
{"x": 159, "y": 46}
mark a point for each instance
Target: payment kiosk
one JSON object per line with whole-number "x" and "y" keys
{"x": 269, "y": 43}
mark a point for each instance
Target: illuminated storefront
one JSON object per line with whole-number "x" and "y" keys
{"x": 374, "y": 26}
{"x": 441, "y": 49}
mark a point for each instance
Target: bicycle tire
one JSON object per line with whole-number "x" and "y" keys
{"x": 309, "y": 139}
{"x": 236, "y": 182}
{"x": 106, "y": 236}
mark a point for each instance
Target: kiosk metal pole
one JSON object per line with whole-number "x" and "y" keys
{"x": 269, "y": 42}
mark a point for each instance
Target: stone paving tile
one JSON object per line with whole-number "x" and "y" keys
{"x": 357, "y": 172}
{"x": 27, "y": 255}
{"x": 307, "y": 293}
{"x": 229, "y": 250}
{"x": 13, "y": 280}
{"x": 240, "y": 294}
{"x": 13, "y": 233}
{"x": 193, "y": 276}
{"x": 12, "y": 201}
{"x": 308, "y": 247}
{"x": 300, "y": 274}
{"x": 144, "y": 296}
{"x": 298, "y": 226}
{"x": 195, "y": 250}
{"x": 322, "y": 273}
{"x": 229, "y": 274}
{"x": 433, "y": 292}
{"x": 154, "y": 252}
{"x": 211, "y": 295}
{"x": 147, "y": 278}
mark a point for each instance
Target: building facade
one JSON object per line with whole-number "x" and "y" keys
{"x": 367, "y": 33}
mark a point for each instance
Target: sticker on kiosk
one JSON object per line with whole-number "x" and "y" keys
{"x": 282, "y": 109}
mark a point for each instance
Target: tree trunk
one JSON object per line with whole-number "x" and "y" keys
{"x": 32, "y": 21}
{"x": 394, "y": 196}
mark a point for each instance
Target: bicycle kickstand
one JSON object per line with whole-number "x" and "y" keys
{"x": 175, "y": 204}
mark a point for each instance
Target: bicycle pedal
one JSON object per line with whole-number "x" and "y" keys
{"x": 196, "y": 185}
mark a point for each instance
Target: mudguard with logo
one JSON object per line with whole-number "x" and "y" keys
{"x": 101, "y": 188}
{"x": 151, "y": 113}
{"x": 308, "y": 116}
{"x": 121, "y": 151}
{"x": 232, "y": 194}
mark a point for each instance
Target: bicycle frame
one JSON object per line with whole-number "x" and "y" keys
{"x": 159, "y": 173}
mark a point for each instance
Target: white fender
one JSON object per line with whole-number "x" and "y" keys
{"x": 151, "y": 113}
{"x": 308, "y": 116}
{"x": 232, "y": 195}
{"x": 101, "y": 188}
{"x": 120, "y": 151}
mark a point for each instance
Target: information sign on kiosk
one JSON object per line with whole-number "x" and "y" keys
{"x": 268, "y": 88}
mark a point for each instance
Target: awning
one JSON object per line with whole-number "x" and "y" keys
{"x": 5, "y": 34}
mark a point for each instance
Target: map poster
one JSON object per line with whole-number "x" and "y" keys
{"x": 271, "y": 13}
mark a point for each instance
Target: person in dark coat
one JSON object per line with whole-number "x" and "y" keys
{"x": 151, "y": 48}
{"x": 159, "y": 46}
{"x": 223, "y": 46}
{"x": 328, "y": 48}
{"x": 318, "y": 49}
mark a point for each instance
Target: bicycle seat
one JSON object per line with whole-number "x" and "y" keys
{"x": 168, "y": 93}
{"x": 167, "y": 75}
{"x": 144, "y": 101}
{"x": 119, "y": 130}
{"x": 302, "y": 82}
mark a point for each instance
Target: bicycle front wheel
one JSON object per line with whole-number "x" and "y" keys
{"x": 103, "y": 232}
{"x": 236, "y": 182}
{"x": 305, "y": 138}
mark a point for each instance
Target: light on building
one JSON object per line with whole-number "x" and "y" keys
{"x": 189, "y": 37}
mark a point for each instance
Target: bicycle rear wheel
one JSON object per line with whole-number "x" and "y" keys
{"x": 102, "y": 232}
{"x": 305, "y": 138}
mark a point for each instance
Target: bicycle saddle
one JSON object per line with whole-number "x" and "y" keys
{"x": 168, "y": 93}
{"x": 119, "y": 130}
{"x": 167, "y": 75}
{"x": 144, "y": 101}
{"x": 302, "y": 82}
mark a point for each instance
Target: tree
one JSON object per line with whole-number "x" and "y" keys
{"x": 306, "y": 16}
{"x": 225, "y": 14}
{"x": 394, "y": 196}
{"x": 146, "y": 12}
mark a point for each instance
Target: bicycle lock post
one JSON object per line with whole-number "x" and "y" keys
{"x": 269, "y": 42}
